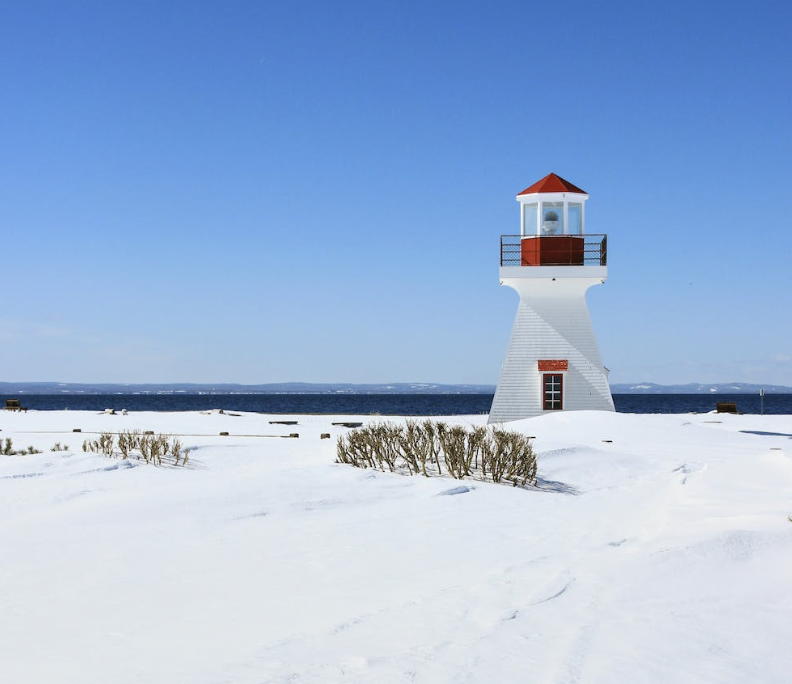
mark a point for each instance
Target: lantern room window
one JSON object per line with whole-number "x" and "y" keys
{"x": 552, "y": 218}
{"x": 552, "y": 391}
{"x": 574, "y": 218}
{"x": 549, "y": 218}
{"x": 529, "y": 220}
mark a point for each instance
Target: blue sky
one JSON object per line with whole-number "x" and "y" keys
{"x": 274, "y": 191}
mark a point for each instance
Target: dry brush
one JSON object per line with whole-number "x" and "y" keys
{"x": 153, "y": 449}
{"x": 435, "y": 448}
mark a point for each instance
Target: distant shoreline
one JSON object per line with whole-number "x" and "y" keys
{"x": 346, "y": 403}
{"x": 413, "y": 388}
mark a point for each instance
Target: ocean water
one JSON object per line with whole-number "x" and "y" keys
{"x": 383, "y": 404}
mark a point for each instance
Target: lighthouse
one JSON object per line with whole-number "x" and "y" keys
{"x": 553, "y": 363}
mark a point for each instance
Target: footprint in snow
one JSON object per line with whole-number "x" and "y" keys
{"x": 260, "y": 514}
{"x": 121, "y": 465}
{"x": 20, "y": 476}
{"x": 455, "y": 490}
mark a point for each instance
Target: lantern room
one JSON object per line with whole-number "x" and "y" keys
{"x": 551, "y": 223}
{"x": 552, "y": 206}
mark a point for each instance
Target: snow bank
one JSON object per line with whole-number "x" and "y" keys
{"x": 655, "y": 549}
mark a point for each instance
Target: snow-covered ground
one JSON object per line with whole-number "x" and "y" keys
{"x": 657, "y": 548}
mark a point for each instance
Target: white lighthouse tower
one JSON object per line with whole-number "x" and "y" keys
{"x": 553, "y": 363}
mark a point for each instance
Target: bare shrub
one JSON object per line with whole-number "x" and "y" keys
{"x": 153, "y": 449}
{"x": 475, "y": 444}
{"x": 7, "y": 449}
{"x": 176, "y": 450}
{"x": 523, "y": 469}
{"x": 106, "y": 443}
{"x": 453, "y": 442}
{"x": 129, "y": 441}
{"x": 415, "y": 446}
{"x": 511, "y": 458}
{"x": 497, "y": 454}
{"x": 478, "y": 452}
{"x": 385, "y": 444}
{"x": 355, "y": 448}
{"x": 433, "y": 431}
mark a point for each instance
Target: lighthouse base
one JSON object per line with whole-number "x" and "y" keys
{"x": 553, "y": 363}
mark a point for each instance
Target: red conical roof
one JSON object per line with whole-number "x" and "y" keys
{"x": 551, "y": 183}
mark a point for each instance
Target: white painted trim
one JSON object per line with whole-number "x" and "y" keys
{"x": 566, "y": 217}
{"x": 597, "y": 274}
{"x": 550, "y": 197}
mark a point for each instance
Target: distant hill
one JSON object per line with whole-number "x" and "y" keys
{"x": 698, "y": 388}
{"x": 14, "y": 388}
{"x": 230, "y": 388}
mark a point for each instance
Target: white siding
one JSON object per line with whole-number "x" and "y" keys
{"x": 552, "y": 322}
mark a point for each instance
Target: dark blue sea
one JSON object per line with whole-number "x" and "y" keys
{"x": 383, "y": 404}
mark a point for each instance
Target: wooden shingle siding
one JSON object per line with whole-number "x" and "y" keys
{"x": 551, "y": 328}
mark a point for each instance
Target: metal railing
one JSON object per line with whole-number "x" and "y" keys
{"x": 554, "y": 250}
